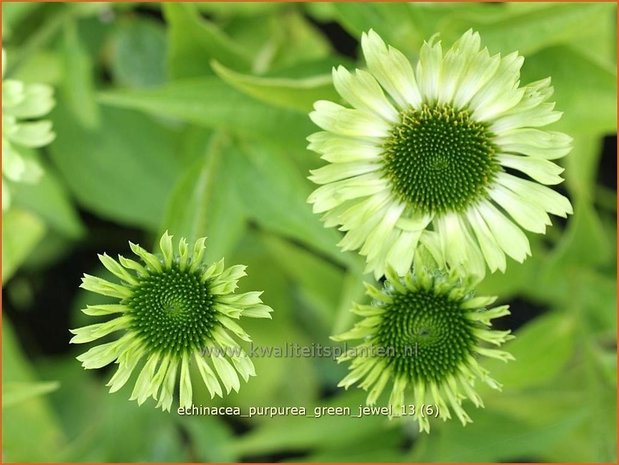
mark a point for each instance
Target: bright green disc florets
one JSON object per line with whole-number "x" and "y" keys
{"x": 173, "y": 311}
{"x": 438, "y": 159}
{"x": 425, "y": 335}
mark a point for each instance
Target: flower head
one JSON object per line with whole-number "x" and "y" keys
{"x": 453, "y": 146}
{"x": 20, "y": 102}
{"x": 173, "y": 312}
{"x": 422, "y": 335}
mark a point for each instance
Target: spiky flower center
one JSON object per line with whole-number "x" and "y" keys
{"x": 173, "y": 311}
{"x": 426, "y": 336}
{"x": 439, "y": 159}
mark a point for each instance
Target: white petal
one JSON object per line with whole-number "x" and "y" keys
{"x": 528, "y": 215}
{"x": 348, "y": 122}
{"x": 544, "y": 197}
{"x": 509, "y": 236}
{"x": 330, "y": 195}
{"x": 541, "y": 170}
{"x": 338, "y": 171}
{"x": 362, "y": 91}
{"x": 501, "y": 92}
{"x": 455, "y": 63}
{"x": 495, "y": 258}
{"x": 392, "y": 70}
{"x": 429, "y": 70}
{"x": 480, "y": 70}
{"x": 341, "y": 149}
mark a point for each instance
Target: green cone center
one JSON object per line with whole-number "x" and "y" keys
{"x": 172, "y": 311}
{"x": 425, "y": 336}
{"x": 439, "y": 159}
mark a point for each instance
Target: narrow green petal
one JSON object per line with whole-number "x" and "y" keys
{"x": 114, "y": 267}
{"x": 165, "y": 244}
{"x": 185, "y": 384}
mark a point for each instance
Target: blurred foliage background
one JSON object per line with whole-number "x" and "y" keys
{"x": 193, "y": 118}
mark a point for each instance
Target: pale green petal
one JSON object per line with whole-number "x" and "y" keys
{"x": 341, "y": 149}
{"x": 103, "y": 287}
{"x": 528, "y": 215}
{"x": 99, "y": 330}
{"x": 167, "y": 389}
{"x": 543, "y": 171}
{"x": 165, "y": 244}
{"x": 532, "y": 192}
{"x": 210, "y": 380}
{"x": 363, "y": 92}
{"x": 114, "y": 267}
{"x": 32, "y": 134}
{"x": 183, "y": 250}
{"x": 392, "y": 70}
{"x": 429, "y": 70}
{"x": 509, "y": 237}
{"x": 143, "y": 385}
{"x": 107, "y": 309}
{"x": 198, "y": 253}
{"x": 226, "y": 373}
{"x": 185, "y": 384}
{"x": 348, "y": 122}
{"x": 152, "y": 261}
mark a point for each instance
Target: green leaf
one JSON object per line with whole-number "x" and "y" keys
{"x": 395, "y": 22}
{"x": 78, "y": 83}
{"x": 210, "y": 437}
{"x": 49, "y": 199}
{"x": 16, "y": 392}
{"x": 32, "y": 417}
{"x": 139, "y": 53}
{"x": 319, "y": 282}
{"x": 584, "y": 90}
{"x": 293, "y": 433}
{"x": 278, "y": 40}
{"x": 494, "y": 437}
{"x": 294, "y": 94}
{"x": 275, "y": 196}
{"x": 526, "y": 30}
{"x": 123, "y": 170}
{"x": 21, "y": 232}
{"x": 193, "y": 42}
{"x": 211, "y": 103}
{"x": 204, "y": 201}
{"x": 541, "y": 349}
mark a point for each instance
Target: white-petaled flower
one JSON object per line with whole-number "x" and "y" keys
{"x": 421, "y": 338}
{"x": 21, "y": 104}
{"x": 174, "y": 312}
{"x": 453, "y": 146}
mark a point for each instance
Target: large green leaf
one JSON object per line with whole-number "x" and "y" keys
{"x": 512, "y": 27}
{"x": 21, "y": 231}
{"x": 204, "y": 201}
{"x": 319, "y": 282}
{"x": 541, "y": 349}
{"x": 123, "y": 170}
{"x": 16, "y": 392}
{"x": 275, "y": 196}
{"x": 294, "y": 94}
{"x": 139, "y": 53}
{"x": 584, "y": 90}
{"x": 78, "y": 83}
{"x": 49, "y": 199}
{"x": 194, "y": 42}
{"x": 210, "y": 102}
{"x": 32, "y": 416}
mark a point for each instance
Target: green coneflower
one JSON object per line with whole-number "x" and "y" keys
{"x": 21, "y": 102}
{"x": 174, "y": 312}
{"x": 422, "y": 335}
{"x": 442, "y": 147}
